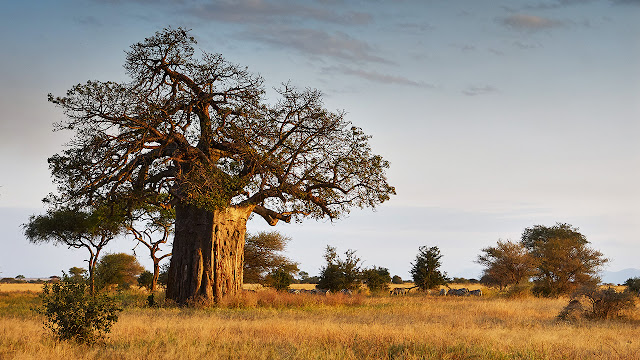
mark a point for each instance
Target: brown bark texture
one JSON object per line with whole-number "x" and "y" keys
{"x": 208, "y": 253}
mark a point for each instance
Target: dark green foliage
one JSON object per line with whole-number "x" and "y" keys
{"x": 425, "y": 269}
{"x": 279, "y": 279}
{"x": 77, "y": 274}
{"x": 73, "y": 313}
{"x": 377, "y": 279}
{"x": 633, "y": 284}
{"x": 145, "y": 279}
{"x": 340, "y": 274}
{"x": 396, "y": 280}
{"x": 164, "y": 274}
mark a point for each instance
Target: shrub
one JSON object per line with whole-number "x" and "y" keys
{"x": 633, "y": 284}
{"x": 72, "y": 313}
{"x": 597, "y": 304}
{"x": 145, "y": 279}
{"x": 396, "y": 280}
{"x": 340, "y": 274}
{"x": 279, "y": 279}
{"x": 377, "y": 279}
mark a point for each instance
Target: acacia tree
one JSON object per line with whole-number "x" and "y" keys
{"x": 565, "y": 261}
{"x": 506, "y": 264}
{"x": 91, "y": 230}
{"x": 197, "y": 129}
{"x": 261, "y": 256}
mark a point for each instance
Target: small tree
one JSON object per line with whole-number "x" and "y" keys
{"x": 91, "y": 230}
{"x": 377, "y": 279}
{"x": 263, "y": 255}
{"x": 396, "y": 280}
{"x": 425, "y": 269}
{"x": 72, "y": 313}
{"x": 506, "y": 264}
{"x": 279, "y": 279}
{"x": 156, "y": 220}
{"x": 565, "y": 262}
{"x": 77, "y": 274}
{"x": 118, "y": 269}
{"x": 340, "y": 274}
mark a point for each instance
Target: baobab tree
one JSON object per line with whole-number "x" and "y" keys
{"x": 197, "y": 129}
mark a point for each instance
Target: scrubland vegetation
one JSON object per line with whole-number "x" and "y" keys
{"x": 269, "y": 325}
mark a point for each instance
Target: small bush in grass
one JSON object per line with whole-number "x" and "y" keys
{"x": 279, "y": 279}
{"x": 597, "y": 304}
{"x": 72, "y": 313}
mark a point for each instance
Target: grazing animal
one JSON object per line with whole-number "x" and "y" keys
{"x": 346, "y": 292}
{"x": 443, "y": 292}
{"x": 458, "y": 292}
{"x": 477, "y": 292}
{"x": 398, "y": 291}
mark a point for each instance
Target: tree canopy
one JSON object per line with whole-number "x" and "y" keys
{"x": 198, "y": 128}
{"x": 506, "y": 264}
{"x": 565, "y": 261}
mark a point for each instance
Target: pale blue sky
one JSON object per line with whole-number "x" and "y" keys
{"x": 495, "y": 115}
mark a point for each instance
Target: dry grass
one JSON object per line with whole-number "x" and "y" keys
{"x": 21, "y": 287}
{"x": 267, "y": 325}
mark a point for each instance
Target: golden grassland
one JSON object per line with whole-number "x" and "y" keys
{"x": 270, "y": 325}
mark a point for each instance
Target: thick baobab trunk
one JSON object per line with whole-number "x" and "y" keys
{"x": 208, "y": 253}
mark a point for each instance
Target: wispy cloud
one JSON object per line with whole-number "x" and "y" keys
{"x": 626, "y": 2}
{"x": 269, "y": 12}
{"x": 557, "y": 4}
{"x": 316, "y": 43}
{"x": 528, "y": 22}
{"x": 378, "y": 77}
{"x": 479, "y": 90}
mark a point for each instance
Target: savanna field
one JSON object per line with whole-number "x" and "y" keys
{"x": 269, "y": 325}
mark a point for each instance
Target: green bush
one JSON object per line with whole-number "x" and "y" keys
{"x": 72, "y": 313}
{"x": 279, "y": 279}
{"x": 633, "y": 284}
{"x": 377, "y": 279}
{"x": 145, "y": 279}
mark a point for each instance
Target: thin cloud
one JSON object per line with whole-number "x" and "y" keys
{"x": 479, "y": 90}
{"x": 528, "y": 22}
{"x": 378, "y": 77}
{"x": 626, "y": 2}
{"x": 316, "y": 43}
{"x": 269, "y": 12}
{"x": 557, "y": 4}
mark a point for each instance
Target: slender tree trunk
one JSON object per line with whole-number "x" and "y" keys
{"x": 208, "y": 253}
{"x": 156, "y": 274}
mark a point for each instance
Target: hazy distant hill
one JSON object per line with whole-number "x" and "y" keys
{"x": 618, "y": 277}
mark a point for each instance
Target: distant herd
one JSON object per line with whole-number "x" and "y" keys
{"x": 395, "y": 291}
